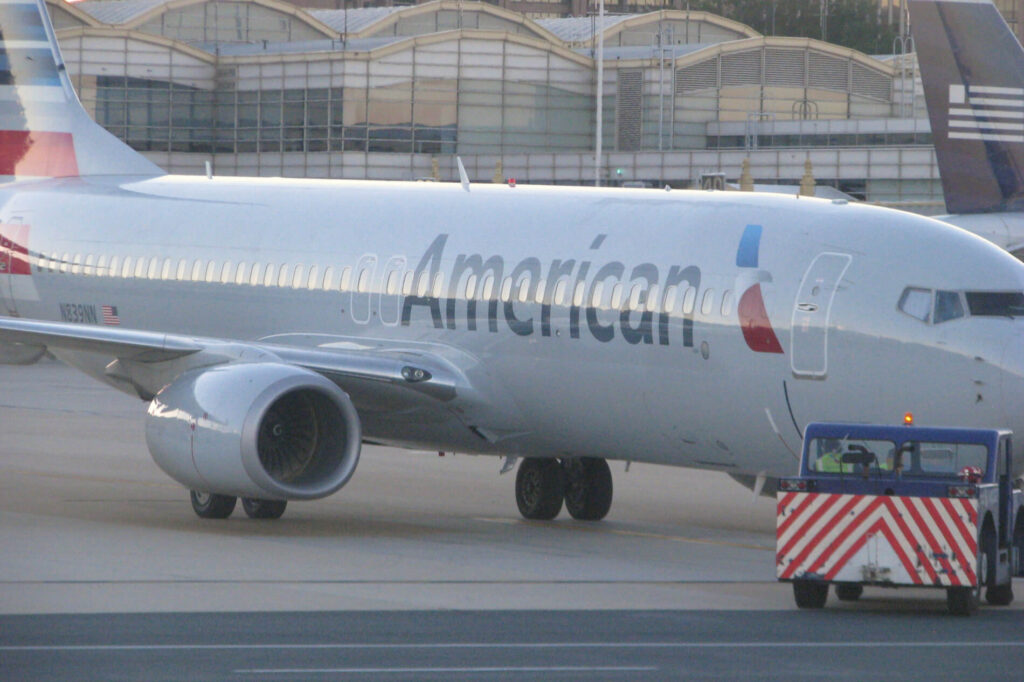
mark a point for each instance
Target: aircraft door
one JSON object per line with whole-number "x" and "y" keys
{"x": 812, "y": 312}
{"x": 391, "y": 288}
{"x": 365, "y": 282}
{"x": 13, "y": 260}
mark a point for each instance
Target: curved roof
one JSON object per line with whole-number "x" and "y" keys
{"x": 58, "y": 8}
{"x": 134, "y": 13}
{"x": 353, "y": 20}
{"x": 375, "y": 20}
{"x": 137, "y": 36}
{"x": 583, "y": 30}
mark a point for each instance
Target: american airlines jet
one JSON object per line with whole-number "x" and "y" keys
{"x": 273, "y": 326}
{"x": 972, "y": 70}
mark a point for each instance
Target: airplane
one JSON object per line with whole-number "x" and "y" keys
{"x": 273, "y": 326}
{"x": 972, "y": 72}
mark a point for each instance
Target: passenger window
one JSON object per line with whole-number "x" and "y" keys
{"x": 438, "y": 289}
{"x": 727, "y": 304}
{"x": 346, "y": 275}
{"x": 539, "y": 294}
{"x": 242, "y": 273}
{"x": 948, "y": 306}
{"x": 182, "y": 266}
{"x": 114, "y": 263}
{"x": 126, "y": 269}
{"x": 523, "y": 292}
{"x": 314, "y": 278}
{"x": 168, "y": 269}
{"x": 197, "y": 270}
{"x": 595, "y": 295}
{"x": 255, "y": 276}
{"x": 560, "y": 292}
{"x": 407, "y": 283}
{"x": 470, "y": 287}
{"x": 140, "y": 268}
{"x": 101, "y": 266}
{"x": 153, "y": 266}
{"x": 298, "y": 278}
{"x": 616, "y": 301}
{"x": 211, "y": 272}
{"x": 392, "y": 283}
{"x": 917, "y": 303}
{"x": 652, "y": 298}
{"x": 268, "y": 275}
{"x": 363, "y": 283}
{"x": 689, "y": 299}
{"x": 76, "y": 268}
{"x": 670, "y": 299}
{"x": 88, "y": 269}
{"x": 578, "y": 293}
{"x": 707, "y": 302}
{"x": 423, "y": 285}
{"x": 487, "y": 292}
{"x": 328, "y": 278}
{"x": 225, "y": 273}
{"x": 634, "y": 297}
{"x": 282, "y": 277}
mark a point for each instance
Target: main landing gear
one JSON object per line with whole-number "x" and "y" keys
{"x": 583, "y": 483}
{"x": 214, "y": 506}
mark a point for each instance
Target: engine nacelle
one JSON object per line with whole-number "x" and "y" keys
{"x": 262, "y": 430}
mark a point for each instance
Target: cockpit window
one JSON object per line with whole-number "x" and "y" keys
{"x": 996, "y": 303}
{"x": 948, "y": 306}
{"x": 917, "y": 303}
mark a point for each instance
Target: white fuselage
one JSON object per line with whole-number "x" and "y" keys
{"x": 586, "y": 342}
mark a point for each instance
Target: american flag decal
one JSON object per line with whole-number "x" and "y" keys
{"x": 878, "y": 538}
{"x": 981, "y": 112}
{"x": 110, "y": 314}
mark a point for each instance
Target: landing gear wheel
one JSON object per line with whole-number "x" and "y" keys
{"x": 588, "y": 488}
{"x": 263, "y": 509}
{"x": 962, "y": 601}
{"x": 539, "y": 486}
{"x": 211, "y": 505}
{"x": 848, "y": 592}
{"x": 810, "y": 594}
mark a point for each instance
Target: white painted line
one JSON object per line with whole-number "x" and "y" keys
{"x": 409, "y": 671}
{"x": 509, "y": 645}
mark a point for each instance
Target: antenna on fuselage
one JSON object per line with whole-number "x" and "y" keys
{"x": 462, "y": 174}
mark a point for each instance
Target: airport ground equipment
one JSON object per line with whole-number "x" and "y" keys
{"x": 901, "y": 506}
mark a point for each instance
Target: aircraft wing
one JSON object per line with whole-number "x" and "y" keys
{"x": 369, "y": 371}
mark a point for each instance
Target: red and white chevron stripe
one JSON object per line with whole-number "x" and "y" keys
{"x": 915, "y": 540}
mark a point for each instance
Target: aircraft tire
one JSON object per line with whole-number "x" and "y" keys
{"x": 263, "y": 509}
{"x": 212, "y": 505}
{"x": 849, "y": 592}
{"x": 810, "y": 594}
{"x": 540, "y": 483}
{"x": 588, "y": 488}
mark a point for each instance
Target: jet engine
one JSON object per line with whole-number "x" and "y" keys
{"x": 259, "y": 430}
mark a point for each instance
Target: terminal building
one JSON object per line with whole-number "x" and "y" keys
{"x": 263, "y": 87}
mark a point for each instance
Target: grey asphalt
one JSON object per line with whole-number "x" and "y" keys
{"x": 420, "y": 568}
{"x": 513, "y": 645}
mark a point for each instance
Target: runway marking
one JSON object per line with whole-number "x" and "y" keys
{"x": 634, "y": 533}
{"x": 511, "y": 645}
{"x": 409, "y": 671}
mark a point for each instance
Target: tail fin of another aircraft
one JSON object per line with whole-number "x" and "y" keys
{"x": 44, "y": 131}
{"x": 972, "y": 68}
